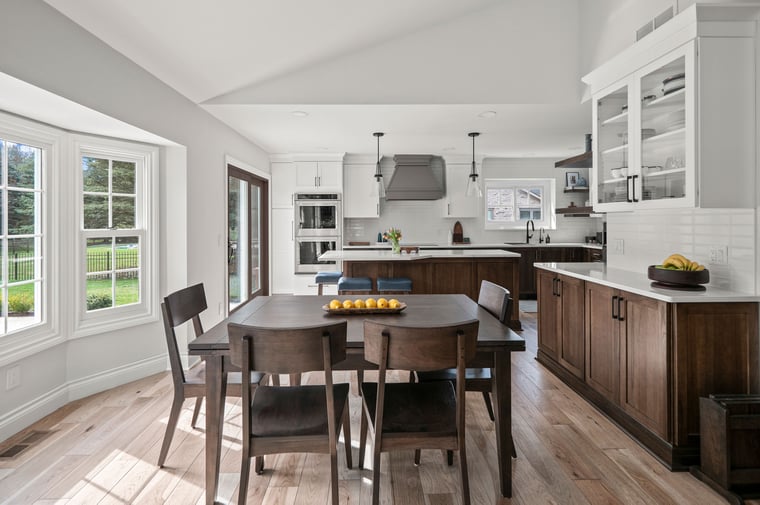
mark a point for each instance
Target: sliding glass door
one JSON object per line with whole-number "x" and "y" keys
{"x": 247, "y": 237}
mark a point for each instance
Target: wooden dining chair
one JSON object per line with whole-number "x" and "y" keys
{"x": 409, "y": 415}
{"x": 498, "y": 302}
{"x": 305, "y": 418}
{"x": 178, "y": 308}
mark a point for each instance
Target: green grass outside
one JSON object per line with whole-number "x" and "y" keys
{"x": 127, "y": 290}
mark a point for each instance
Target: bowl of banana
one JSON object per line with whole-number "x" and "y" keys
{"x": 679, "y": 272}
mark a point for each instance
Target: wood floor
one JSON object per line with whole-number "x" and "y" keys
{"x": 103, "y": 449}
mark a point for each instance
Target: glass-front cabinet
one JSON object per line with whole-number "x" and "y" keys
{"x": 674, "y": 117}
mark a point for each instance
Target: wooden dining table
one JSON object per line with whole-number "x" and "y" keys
{"x": 495, "y": 343}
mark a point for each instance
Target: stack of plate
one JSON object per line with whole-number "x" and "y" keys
{"x": 673, "y": 83}
{"x": 675, "y": 120}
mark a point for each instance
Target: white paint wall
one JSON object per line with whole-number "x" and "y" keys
{"x": 43, "y": 48}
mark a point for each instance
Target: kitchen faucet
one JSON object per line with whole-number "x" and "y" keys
{"x": 541, "y": 235}
{"x": 528, "y": 226}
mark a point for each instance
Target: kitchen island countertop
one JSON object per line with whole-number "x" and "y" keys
{"x": 387, "y": 255}
{"x": 432, "y": 247}
{"x": 640, "y": 284}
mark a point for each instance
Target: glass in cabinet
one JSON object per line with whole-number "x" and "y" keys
{"x": 613, "y": 161}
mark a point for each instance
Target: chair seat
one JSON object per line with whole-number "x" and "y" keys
{"x": 394, "y": 284}
{"x": 354, "y": 284}
{"x": 328, "y": 277}
{"x": 415, "y": 408}
{"x": 273, "y": 407}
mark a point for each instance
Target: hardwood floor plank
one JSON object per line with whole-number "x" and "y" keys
{"x": 596, "y": 493}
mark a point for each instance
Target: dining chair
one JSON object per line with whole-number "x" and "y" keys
{"x": 498, "y": 302}
{"x": 408, "y": 415}
{"x": 305, "y": 418}
{"x": 178, "y": 308}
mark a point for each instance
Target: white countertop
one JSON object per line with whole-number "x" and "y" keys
{"x": 387, "y": 255}
{"x": 426, "y": 247}
{"x": 640, "y": 284}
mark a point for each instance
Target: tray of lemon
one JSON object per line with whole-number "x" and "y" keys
{"x": 364, "y": 306}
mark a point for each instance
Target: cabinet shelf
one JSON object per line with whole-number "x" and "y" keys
{"x": 577, "y": 189}
{"x": 621, "y": 118}
{"x": 663, "y": 173}
{"x": 615, "y": 149}
{"x": 574, "y": 210}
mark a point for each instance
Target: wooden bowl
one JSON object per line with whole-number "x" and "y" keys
{"x": 678, "y": 278}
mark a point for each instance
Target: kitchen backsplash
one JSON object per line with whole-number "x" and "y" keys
{"x": 650, "y": 236}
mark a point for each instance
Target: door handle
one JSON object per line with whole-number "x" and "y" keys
{"x": 559, "y": 287}
{"x": 614, "y": 304}
{"x": 448, "y": 209}
{"x": 292, "y": 230}
{"x": 315, "y": 181}
{"x": 633, "y": 187}
{"x": 627, "y": 189}
{"x": 620, "y": 313}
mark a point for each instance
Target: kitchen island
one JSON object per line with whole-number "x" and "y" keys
{"x": 438, "y": 271}
{"x": 644, "y": 355}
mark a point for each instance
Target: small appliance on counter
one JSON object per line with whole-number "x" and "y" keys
{"x": 457, "y": 236}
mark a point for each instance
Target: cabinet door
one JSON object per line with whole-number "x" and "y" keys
{"x": 610, "y": 177}
{"x": 456, "y": 203}
{"x": 602, "y": 341}
{"x": 306, "y": 174}
{"x": 572, "y": 349}
{"x": 644, "y": 352}
{"x": 283, "y": 251}
{"x": 549, "y": 318}
{"x": 283, "y": 184}
{"x": 358, "y": 201}
{"x": 330, "y": 175}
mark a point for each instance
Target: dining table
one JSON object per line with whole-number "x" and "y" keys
{"x": 495, "y": 344}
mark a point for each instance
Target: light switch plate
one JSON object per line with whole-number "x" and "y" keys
{"x": 619, "y": 246}
{"x": 13, "y": 377}
{"x": 719, "y": 255}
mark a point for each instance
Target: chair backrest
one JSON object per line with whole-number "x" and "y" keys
{"x": 496, "y": 300}
{"x": 287, "y": 350}
{"x": 176, "y": 309}
{"x": 419, "y": 348}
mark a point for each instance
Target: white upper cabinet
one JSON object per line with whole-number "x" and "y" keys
{"x": 456, "y": 203}
{"x": 320, "y": 175}
{"x": 358, "y": 181}
{"x": 283, "y": 184}
{"x": 677, "y": 129}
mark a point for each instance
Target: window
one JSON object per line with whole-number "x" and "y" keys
{"x": 21, "y": 237}
{"x": 117, "y": 229}
{"x": 511, "y": 203}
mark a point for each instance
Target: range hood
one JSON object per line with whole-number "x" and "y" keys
{"x": 583, "y": 160}
{"x": 416, "y": 177}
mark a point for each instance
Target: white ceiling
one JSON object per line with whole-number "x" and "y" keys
{"x": 421, "y": 71}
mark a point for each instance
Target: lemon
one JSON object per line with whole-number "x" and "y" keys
{"x": 358, "y": 303}
{"x": 382, "y": 303}
{"x": 393, "y": 303}
{"x": 370, "y": 303}
{"x": 335, "y": 304}
{"x": 347, "y": 304}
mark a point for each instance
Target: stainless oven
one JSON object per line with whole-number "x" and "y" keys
{"x": 318, "y": 215}
{"x": 309, "y": 249}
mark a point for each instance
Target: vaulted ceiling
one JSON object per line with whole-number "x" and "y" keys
{"x": 423, "y": 71}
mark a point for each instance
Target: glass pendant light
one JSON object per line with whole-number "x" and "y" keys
{"x": 473, "y": 186}
{"x": 378, "y": 187}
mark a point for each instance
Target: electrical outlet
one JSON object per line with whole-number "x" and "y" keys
{"x": 13, "y": 377}
{"x": 619, "y": 246}
{"x": 718, "y": 255}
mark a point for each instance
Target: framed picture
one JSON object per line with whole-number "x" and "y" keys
{"x": 571, "y": 179}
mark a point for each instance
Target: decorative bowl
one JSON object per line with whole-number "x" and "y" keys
{"x": 678, "y": 279}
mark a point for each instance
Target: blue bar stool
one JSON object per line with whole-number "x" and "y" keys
{"x": 323, "y": 278}
{"x": 394, "y": 285}
{"x": 351, "y": 284}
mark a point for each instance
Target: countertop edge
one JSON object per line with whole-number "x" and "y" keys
{"x": 639, "y": 284}
{"x": 423, "y": 247}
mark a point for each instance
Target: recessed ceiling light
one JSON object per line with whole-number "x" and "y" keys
{"x": 299, "y": 113}
{"x": 487, "y": 114}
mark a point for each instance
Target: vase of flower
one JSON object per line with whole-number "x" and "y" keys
{"x": 393, "y": 235}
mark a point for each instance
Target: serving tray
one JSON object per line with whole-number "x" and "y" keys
{"x": 343, "y": 311}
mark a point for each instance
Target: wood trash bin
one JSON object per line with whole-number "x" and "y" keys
{"x": 730, "y": 445}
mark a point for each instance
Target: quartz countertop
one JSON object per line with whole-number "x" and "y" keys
{"x": 426, "y": 247}
{"x": 639, "y": 283}
{"x": 387, "y": 255}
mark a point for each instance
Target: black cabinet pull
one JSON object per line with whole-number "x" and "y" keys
{"x": 620, "y": 312}
{"x": 628, "y": 189}
{"x": 559, "y": 287}
{"x": 615, "y": 304}
{"x": 633, "y": 187}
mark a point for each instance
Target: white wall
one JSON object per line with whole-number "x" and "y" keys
{"x": 45, "y": 49}
{"x": 423, "y": 221}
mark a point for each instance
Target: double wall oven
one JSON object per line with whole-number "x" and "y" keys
{"x": 318, "y": 228}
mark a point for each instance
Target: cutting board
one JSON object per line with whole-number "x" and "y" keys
{"x": 457, "y": 236}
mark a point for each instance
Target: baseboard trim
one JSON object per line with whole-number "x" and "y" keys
{"x": 25, "y": 415}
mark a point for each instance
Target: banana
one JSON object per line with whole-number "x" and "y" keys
{"x": 679, "y": 262}
{"x": 700, "y": 267}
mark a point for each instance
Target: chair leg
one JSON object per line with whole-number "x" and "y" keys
{"x": 465, "y": 477}
{"x": 359, "y": 380}
{"x": 334, "y": 476}
{"x": 196, "y": 411}
{"x": 489, "y": 407}
{"x": 417, "y": 454}
{"x": 514, "y": 448}
{"x": 376, "y": 476}
{"x": 170, "y": 427}
{"x": 347, "y": 435}
{"x": 450, "y": 457}
{"x": 319, "y": 289}
{"x": 258, "y": 465}
{"x": 362, "y": 437}
{"x": 295, "y": 379}
{"x": 245, "y": 471}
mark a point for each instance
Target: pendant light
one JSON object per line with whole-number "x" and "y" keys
{"x": 473, "y": 186}
{"x": 378, "y": 188}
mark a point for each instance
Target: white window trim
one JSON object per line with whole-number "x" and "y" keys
{"x": 147, "y": 190}
{"x": 548, "y": 208}
{"x": 33, "y": 339}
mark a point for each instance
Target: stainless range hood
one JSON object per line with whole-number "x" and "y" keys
{"x": 416, "y": 177}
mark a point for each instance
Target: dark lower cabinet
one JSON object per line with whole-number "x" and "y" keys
{"x": 647, "y": 362}
{"x": 544, "y": 254}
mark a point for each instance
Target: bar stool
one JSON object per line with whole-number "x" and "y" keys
{"x": 394, "y": 285}
{"x": 323, "y": 278}
{"x": 354, "y": 284}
